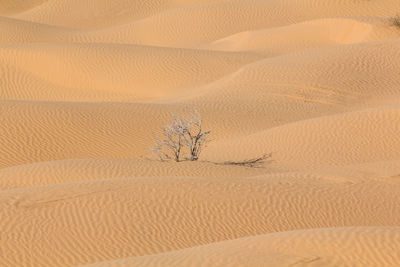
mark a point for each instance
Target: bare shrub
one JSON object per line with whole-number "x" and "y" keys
{"x": 170, "y": 145}
{"x": 182, "y": 139}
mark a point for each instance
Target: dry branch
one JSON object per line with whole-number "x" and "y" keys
{"x": 251, "y": 163}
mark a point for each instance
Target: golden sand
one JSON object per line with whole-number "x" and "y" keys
{"x": 85, "y": 83}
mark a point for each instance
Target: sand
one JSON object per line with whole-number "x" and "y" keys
{"x": 84, "y": 84}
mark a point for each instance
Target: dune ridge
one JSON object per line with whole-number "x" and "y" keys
{"x": 61, "y": 67}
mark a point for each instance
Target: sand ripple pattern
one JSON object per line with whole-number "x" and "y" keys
{"x": 85, "y": 83}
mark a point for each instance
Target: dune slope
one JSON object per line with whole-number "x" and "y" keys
{"x": 347, "y": 246}
{"x": 87, "y": 221}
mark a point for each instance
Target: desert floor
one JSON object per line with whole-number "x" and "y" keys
{"x": 85, "y": 83}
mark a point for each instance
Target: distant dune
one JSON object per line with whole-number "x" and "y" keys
{"x": 85, "y": 84}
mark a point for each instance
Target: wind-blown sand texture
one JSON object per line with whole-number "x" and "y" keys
{"x": 85, "y": 83}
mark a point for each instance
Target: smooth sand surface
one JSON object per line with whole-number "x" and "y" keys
{"x": 84, "y": 84}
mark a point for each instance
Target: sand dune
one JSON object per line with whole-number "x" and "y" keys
{"x": 317, "y": 85}
{"x": 355, "y": 137}
{"x": 277, "y": 90}
{"x": 35, "y": 131}
{"x": 156, "y": 22}
{"x": 347, "y": 246}
{"x": 40, "y": 131}
{"x": 142, "y": 216}
{"x": 270, "y": 41}
{"x": 84, "y": 86}
{"x": 102, "y": 13}
{"x": 118, "y": 72}
{"x": 205, "y": 23}
{"x": 306, "y": 35}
